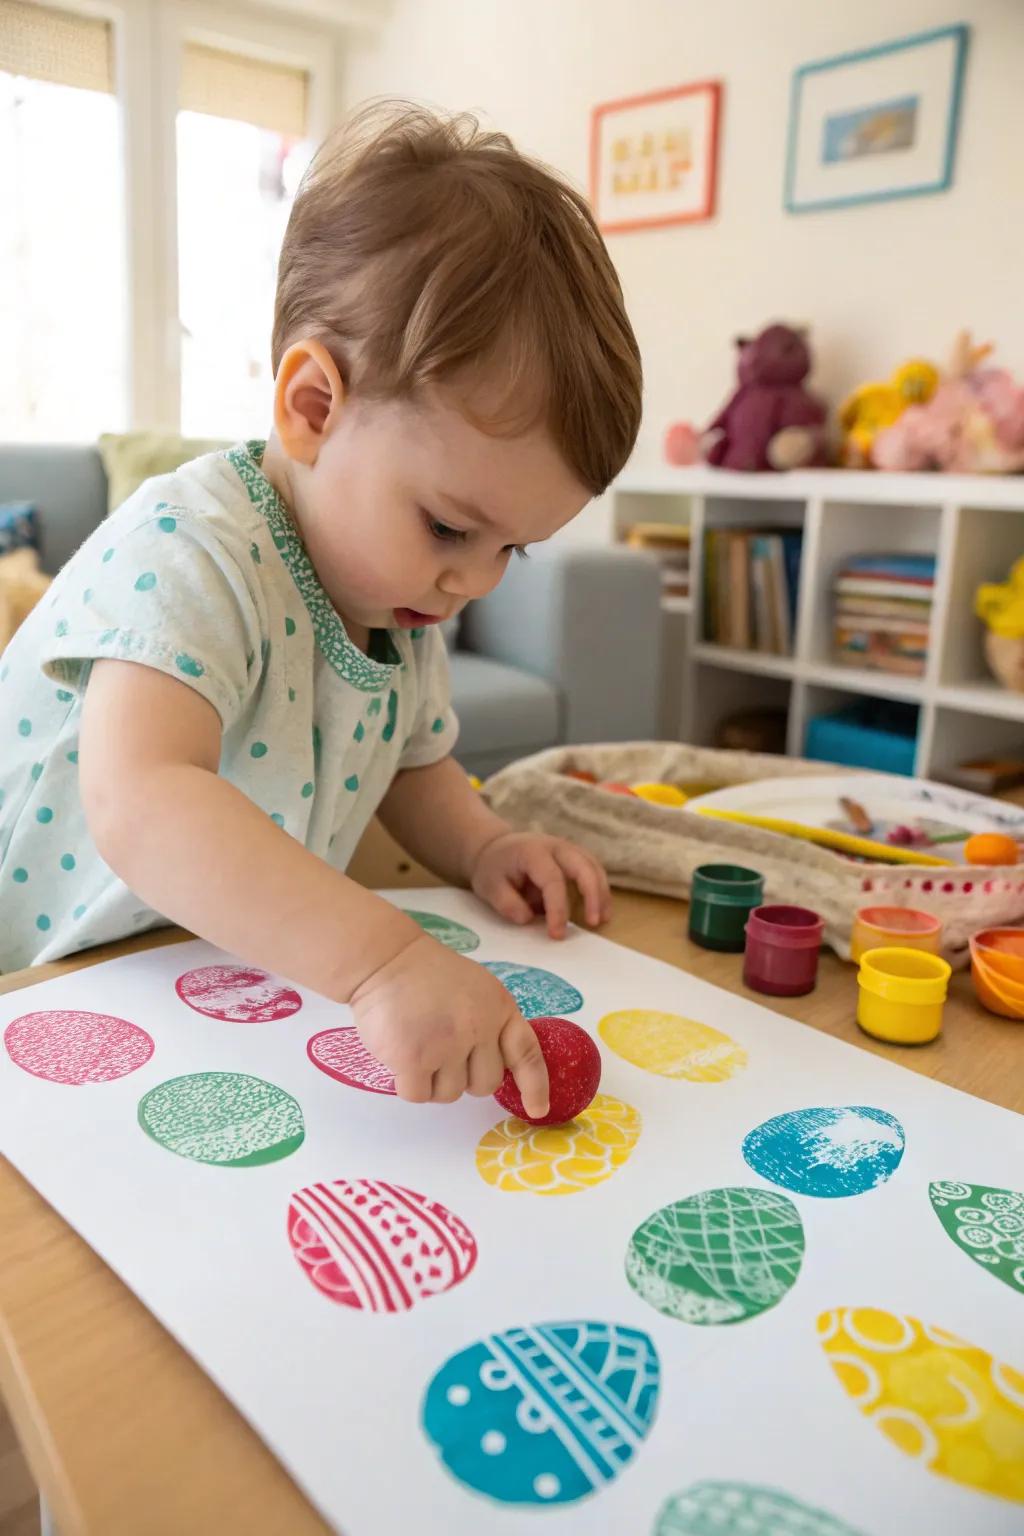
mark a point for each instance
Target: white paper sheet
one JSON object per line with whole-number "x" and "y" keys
{"x": 337, "y": 1391}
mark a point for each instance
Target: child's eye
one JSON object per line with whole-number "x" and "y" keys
{"x": 519, "y": 550}
{"x": 442, "y": 531}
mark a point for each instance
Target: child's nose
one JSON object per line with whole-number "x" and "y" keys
{"x": 474, "y": 579}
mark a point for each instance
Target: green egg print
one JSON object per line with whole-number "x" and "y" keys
{"x": 743, "y": 1509}
{"x": 454, "y": 935}
{"x": 987, "y": 1224}
{"x": 225, "y": 1118}
{"x": 721, "y": 1256}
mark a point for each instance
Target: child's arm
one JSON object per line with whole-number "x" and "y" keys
{"x": 199, "y": 851}
{"x": 440, "y": 819}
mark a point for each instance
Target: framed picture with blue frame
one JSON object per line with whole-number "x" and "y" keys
{"x": 877, "y": 124}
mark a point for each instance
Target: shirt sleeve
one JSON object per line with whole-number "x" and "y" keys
{"x": 435, "y": 729}
{"x": 164, "y": 592}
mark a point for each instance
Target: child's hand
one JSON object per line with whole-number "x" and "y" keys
{"x": 523, "y": 873}
{"x": 445, "y": 1026}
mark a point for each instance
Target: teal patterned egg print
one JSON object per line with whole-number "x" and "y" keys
{"x": 717, "y": 1257}
{"x": 454, "y": 935}
{"x": 538, "y": 994}
{"x": 544, "y": 1414}
{"x": 985, "y": 1223}
{"x": 742, "y": 1509}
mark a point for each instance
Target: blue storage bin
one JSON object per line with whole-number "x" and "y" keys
{"x": 873, "y": 733}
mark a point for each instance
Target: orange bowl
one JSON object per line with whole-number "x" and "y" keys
{"x": 995, "y": 992}
{"x": 1002, "y": 950}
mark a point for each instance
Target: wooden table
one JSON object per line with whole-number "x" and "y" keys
{"x": 125, "y": 1434}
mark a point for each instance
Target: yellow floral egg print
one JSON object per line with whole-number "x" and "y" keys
{"x": 559, "y": 1159}
{"x": 939, "y": 1399}
{"x": 671, "y": 1046}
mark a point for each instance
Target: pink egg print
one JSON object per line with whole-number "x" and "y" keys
{"x": 342, "y": 1055}
{"x": 378, "y": 1247}
{"x": 238, "y": 994}
{"x": 73, "y": 1047}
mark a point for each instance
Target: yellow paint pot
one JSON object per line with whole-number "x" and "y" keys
{"x": 659, "y": 794}
{"x": 902, "y": 993}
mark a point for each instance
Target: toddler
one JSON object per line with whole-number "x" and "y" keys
{"x": 243, "y": 664}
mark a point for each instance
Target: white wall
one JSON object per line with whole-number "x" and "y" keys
{"x": 877, "y": 283}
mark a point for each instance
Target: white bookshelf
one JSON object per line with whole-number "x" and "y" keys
{"x": 974, "y": 525}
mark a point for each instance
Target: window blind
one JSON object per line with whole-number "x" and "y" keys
{"x": 249, "y": 90}
{"x": 60, "y": 46}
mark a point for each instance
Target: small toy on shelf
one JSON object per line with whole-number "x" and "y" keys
{"x": 973, "y": 423}
{"x": 1001, "y": 606}
{"x": 874, "y": 406}
{"x": 771, "y": 420}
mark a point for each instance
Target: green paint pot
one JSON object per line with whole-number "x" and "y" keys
{"x": 722, "y": 897}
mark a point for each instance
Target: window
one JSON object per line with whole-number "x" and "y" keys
{"x": 62, "y": 248}
{"x": 241, "y": 150}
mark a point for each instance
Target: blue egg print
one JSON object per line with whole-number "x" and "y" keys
{"x": 545, "y": 1414}
{"x": 846, "y": 1149}
{"x": 538, "y": 994}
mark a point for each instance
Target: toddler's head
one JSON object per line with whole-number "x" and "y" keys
{"x": 455, "y": 373}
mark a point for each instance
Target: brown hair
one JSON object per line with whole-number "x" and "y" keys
{"x": 420, "y": 248}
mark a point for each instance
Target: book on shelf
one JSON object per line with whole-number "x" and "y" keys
{"x": 670, "y": 545}
{"x": 882, "y": 612}
{"x": 751, "y": 580}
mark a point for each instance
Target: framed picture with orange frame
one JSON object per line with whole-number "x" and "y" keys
{"x": 654, "y": 158}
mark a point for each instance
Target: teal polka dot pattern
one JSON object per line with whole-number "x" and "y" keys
{"x": 258, "y": 749}
{"x": 417, "y": 634}
{"x": 44, "y": 815}
{"x": 317, "y": 746}
{"x": 307, "y": 790}
{"x": 108, "y": 555}
{"x": 64, "y": 696}
{"x": 277, "y": 818}
{"x": 78, "y": 913}
{"x": 359, "y": 732}
{"x": 438, "y": 726}
{"x": 352, "y": 782}
{"x": 87, "y": 595}
{"x": 108, "y": 636}
{"x": 67, "y": 861}
{"x": 61, "y": 628}
{"x": 42, "y": 922}
{"x": 289, "y": 626}
{"x": 73, "y": 758}
{"x": 3, "y": 674}
{"x": 24, "y": 727}
{"x": 167, "y": 524}
{"x": 375, "y": 706}
{"x": 254, "y": 551}
{"x": 146, "y": 582}
{"x": 389, "y": 729}
{"x": 291, "y": 695}
{"x": 37, "y": 772}
{"x": 20, "y": 876}
{"x": 188, "y": 665}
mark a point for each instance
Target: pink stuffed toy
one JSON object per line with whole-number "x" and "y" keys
{"x": 771, "y": 421}
{"x": 973, "y": 424}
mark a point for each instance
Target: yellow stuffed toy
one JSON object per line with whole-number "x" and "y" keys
{"x": 22, "y": 584}
{"x": 875, "y": 406}
{"x": 1001, "y": 606}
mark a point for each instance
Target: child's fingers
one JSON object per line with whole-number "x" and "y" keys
{"x": 591, "y": 880}
{"x": 449, "y": 1082}
{"x": 507, "y": 902}
{"x": 486, "y": 1070}
{"x": 522, "y": 1056}
{"x": 546, "y": 874}
{"x": 414, "y": 1087}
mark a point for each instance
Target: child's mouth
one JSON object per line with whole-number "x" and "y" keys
{"x": 408, "y": 618}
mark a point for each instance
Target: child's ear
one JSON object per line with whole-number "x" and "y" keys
{"x": 308, "y": 394}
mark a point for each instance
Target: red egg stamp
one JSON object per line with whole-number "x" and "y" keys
{"x": 342, "y": 1055}
{"x": 67, "y": 1046}
{"x": 574, "y": 1072}
{"x": 237, "y": 994}
{"x": 378, "y": 1247}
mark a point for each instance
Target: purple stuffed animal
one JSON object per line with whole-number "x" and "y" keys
{"x": 771, "y": 421}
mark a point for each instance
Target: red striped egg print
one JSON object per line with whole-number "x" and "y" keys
{"x": 378, "y": 1247}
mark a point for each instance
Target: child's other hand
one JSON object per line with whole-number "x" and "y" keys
{"x": 445, "y": 1026}
{"x": 521, "y": 874}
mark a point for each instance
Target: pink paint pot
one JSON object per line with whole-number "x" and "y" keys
{"x": 781, "y": 956}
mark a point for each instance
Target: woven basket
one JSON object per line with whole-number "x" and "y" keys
{"x": 647, "y": 847}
